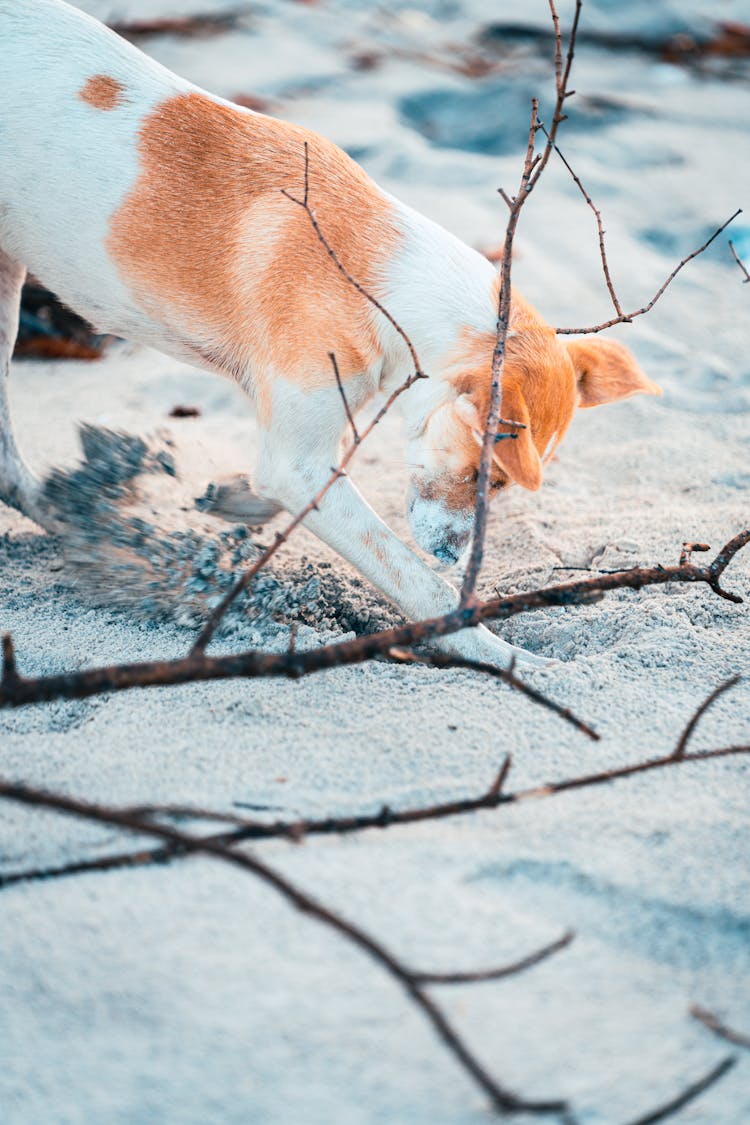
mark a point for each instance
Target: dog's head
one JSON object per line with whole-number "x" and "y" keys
{"x": 544, "y": 379}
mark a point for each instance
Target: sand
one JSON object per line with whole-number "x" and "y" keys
{"x": 189, "y": 993}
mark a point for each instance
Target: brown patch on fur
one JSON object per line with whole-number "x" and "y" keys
{"x": 209, "y": 244}
{"x": 102, "y": 92}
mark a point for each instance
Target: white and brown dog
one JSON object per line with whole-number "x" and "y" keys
{"x": 156, "y": 210}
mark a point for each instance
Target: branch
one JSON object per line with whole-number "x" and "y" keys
{"x": 445, "y": 660}
{"x": 16, "y": 690}
{"x": 626, "y": 318}
{"x": 305, "y": 205}
{"x": 413, "y": 983}
{"x": 687, "y": 734}
{"x": 599, "y": 226}
{"x": 344, "y": 399}
{"x": 505, "y": 971}
{"x": 688, "y": 1094}
{"x": 739, "y": 262}
{"x": 295, "y": 831}
{"x": 713, "y": 1023}
{"x": 533, "y": 168}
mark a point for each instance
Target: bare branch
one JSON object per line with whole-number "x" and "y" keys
{"x": 713, "y": 1023}
{"x": 344, "y": 399}
{"x": 10, "y": 671}
{"x": 689, "y": 1094}
{"x": 739, "y": 262}
{"x": 481, "y": 508}
{"x": 445, "y": 660}
{"x": 502, "y": 1099}
{"x": 687, "y": 734}
{"x": 304, "y": 204}
{"x": 504, "y": 971}
{"x": 599, "y": 226}
{"x": 196, "y": 666}
{"x": 686, "y": 554}
{"x": 626, "y": 318}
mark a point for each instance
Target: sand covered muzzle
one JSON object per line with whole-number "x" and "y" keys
{"x": 118, "y": 555}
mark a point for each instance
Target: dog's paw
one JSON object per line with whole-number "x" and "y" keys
{"x": 481, "y": 645}
{"x": 233, "y": 499}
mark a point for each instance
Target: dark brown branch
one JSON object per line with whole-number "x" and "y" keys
{"x": 502, "y": 1099}
{"x": 385, "y": 817}
{"x": 689, "y": 1094}
{"x": 199, "y": 25}
{"x": 481, "y": 507}
{"x": 739, "y": 262}
{"x": 344, "y": 399}
{"x": 713, "y": 1023}
{"x": 533, "y": 167}
{"x": 197, "y": 666}
{"x": 627, "y": 317}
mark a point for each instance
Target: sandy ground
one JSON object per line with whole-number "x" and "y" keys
{"x": 189, "y": 994}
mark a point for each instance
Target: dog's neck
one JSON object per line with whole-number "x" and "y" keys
{"x": 442, "y": 293}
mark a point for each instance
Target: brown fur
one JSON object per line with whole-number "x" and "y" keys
{"x": 102, "y": 92}
{"x": 208, "y": 242}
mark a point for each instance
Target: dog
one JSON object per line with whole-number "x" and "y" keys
{"x": 157, "y": 211}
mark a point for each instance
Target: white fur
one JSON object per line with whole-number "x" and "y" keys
{"x": 66, "y": 168}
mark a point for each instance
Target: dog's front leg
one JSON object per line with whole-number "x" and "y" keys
{"x": 19, "y": 488}
{"x": 347, "y": 523}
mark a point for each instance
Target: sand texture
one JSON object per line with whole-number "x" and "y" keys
{"x": 191, "y": 994}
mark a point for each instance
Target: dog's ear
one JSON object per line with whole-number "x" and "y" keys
{"x": 517, "y": 455}
{"x": 606, "y": 371}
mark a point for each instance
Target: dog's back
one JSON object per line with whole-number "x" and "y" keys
{"x": 73, "y": 97}
{"x": 155, "y": 208}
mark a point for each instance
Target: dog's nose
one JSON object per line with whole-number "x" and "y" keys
{"x": 446, "y": 554}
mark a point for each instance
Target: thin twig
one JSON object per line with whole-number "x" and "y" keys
{"x": 713, "y": 1023}
{"x": 304, "y": 204}
{"x": 686, "y": 554}
{"x": 626, "y": 318}
{"x": 739, "y": 262}
{"x": 10, "y": 671}
{"x": 445, "y": 660}
{"x": 504, "y": 971}
{"x": 502, "y": 1099}
{"x": 242, "y": 583}
{"x": 688, "y": 1094}
{"x": 344, "y": 399}
{"x": 687, "y": 734}
{"x": 599, "y": 225}
{"x": 481, "y": 505}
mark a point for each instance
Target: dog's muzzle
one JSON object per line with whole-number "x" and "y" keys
{"x": 439, "y": 531}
